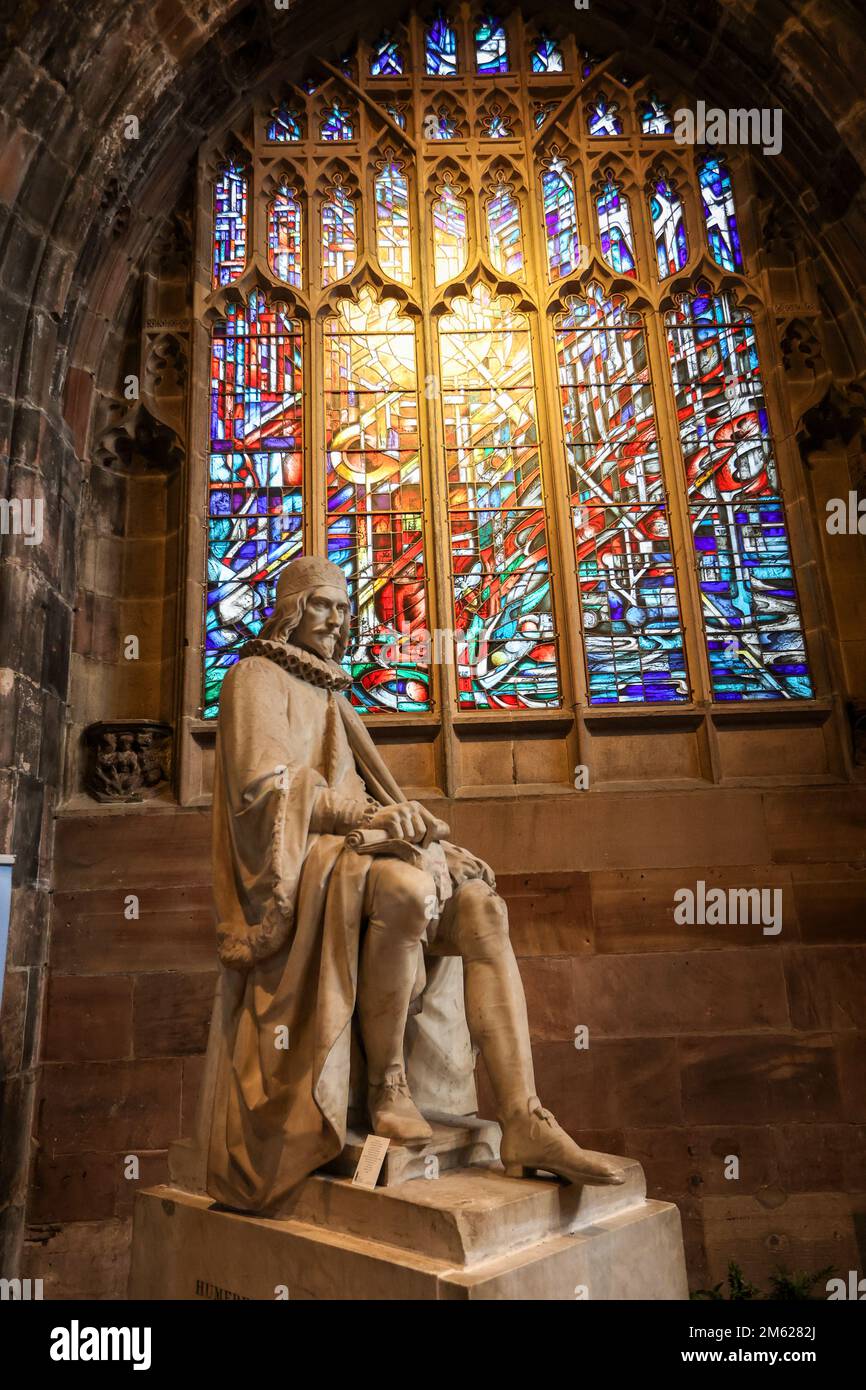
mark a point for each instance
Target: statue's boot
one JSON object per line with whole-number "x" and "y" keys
{"x": 393, "y": 1113}
{"x": 534, "y": 1140}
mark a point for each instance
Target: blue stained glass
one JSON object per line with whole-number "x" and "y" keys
{"x": 560, "y": 219}
{"x": 491, "y": 46}
{"x": 284, "y": 127}
{"x": 496, "y": 127}
{"x": 397, "y": 114}
{"x": 230, "y": 225}
{"x": 255, "y": 484}
{"x": 633, "y": 639}
{"x": 603, "y": 118}
{"x": 547, "y": 56}
{"x": 655, "y": 118}
{"x": 614, "y": 225}
{"x": 439, "y": 125}
{"x": 669, "y": 231}
{"x": 717, "y": 195}
{"x": 337, "y": 124}
{"x": 440, "y": 48}
{"x": 387, "y": 60}
{"x": 752, "y": 623}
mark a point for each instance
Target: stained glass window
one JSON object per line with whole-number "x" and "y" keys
{"x": 588, "y": 62}
{"x": 439, "y": 125}
{"x": 633, "y": 641}
{"x": 669, "y": 230}
{"x": 655, "y": 118}
{"x": 284, "y": 126}
{"x": 506, "y": 648}
{"x": 440, "y": 48}
{"x": 284, "y": 236}
{"x": 560, "y": 219}
{"x": 496, "y": 126}
{"x": 450, "y": 238}
{"x": 614, "y": 226}
{"x": 392, "y": 223}
{"x": 229, "y": 224}
{"x": 473, "y": 435}
{"x": 752, "y": 623}
{"x": 503, "y": 232}
{"x": 717, "y": 195}
{"x": 255, "y": 511}
{"x": 375, "y": 505}
{"x": 336, "y": 124}
{"x": 387, "y": 59}
{"x": 339, "y": 236}
{"x": 491, "y": 46}
{"x": 546, "y": 56}
{"x": 603, "y": 118}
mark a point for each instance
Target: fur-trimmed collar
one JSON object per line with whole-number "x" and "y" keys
{"x": 315, "y": 670}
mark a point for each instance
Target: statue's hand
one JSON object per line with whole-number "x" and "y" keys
{"x": 408, "y": 820}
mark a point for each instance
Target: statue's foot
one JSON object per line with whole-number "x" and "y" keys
{"x": 535, "y": 1140}
{"x": 393, "y": 1112}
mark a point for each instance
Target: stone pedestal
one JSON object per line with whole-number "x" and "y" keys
{"x": 470, "y": 1233}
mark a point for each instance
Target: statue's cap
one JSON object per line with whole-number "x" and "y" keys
{"x": 309, "y": 572}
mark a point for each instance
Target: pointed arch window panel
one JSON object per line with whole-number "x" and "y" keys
{"x": 229, "y": 224}
{"x": 655, "y": 117}
{"x": 393, "y": 242}
{"x": 284, "y": 236}
{"x": 504, "y": 236}
{"x": 375, "y": 504}
{"x": 506, "y": 647}
{"x": 560, "y": 219}
{"x": 720, "y": 213}
{"x": 440, "y": 48}
{"x": 614, "y": 226}
{"x": 751, "y": 615}
{"x": 387, "y": 59}
{"x": 339, "y": 236}
{"x": 491, "y": 47}
{"x": 450, "y": 234}
{"x": 284, "y": 126}
{"x": 668, "y": 228}
{"x": 603, "y": 118}
{"x": 255, "y": 476}
{"x": 633, "y": 639}
{"x": 337, "y": 123}
{"x": 546, "y": 56}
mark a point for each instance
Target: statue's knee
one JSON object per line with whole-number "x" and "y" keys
{"x": 482, "y": 921}
{"x": 404, "y": 897}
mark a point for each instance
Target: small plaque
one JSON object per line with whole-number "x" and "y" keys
{"x": 371, "y": 1160}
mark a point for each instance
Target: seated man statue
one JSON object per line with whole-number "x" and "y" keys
{"x": 328, "y": 953}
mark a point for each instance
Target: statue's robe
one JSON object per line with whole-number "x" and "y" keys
{"x": 289, "y": 900}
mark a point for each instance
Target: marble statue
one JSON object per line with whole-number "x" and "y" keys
{"x": 343, "y": 966}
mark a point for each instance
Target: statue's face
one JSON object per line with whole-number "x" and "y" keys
{"x": 323, "y": 617}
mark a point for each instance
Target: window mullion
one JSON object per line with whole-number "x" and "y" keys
{"x": 435, "y": 519}
{"x": 682, "y": 544}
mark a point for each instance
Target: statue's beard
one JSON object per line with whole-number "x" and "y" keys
{"x": 323, "y": 647}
